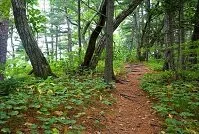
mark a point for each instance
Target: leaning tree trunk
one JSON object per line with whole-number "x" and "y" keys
{"x": 93, "y": 38}
{"x": 3, "y": 46}
{"x": 100, "y": 45}
{"x": 39, "y": 63}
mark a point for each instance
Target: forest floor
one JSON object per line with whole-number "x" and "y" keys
{"x": 132, "y": 112}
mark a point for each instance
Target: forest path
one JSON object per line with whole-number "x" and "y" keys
{"x": 132, "y": 113}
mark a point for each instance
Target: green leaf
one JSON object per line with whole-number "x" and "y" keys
{"x": 67, "y": 121}
{"x": 2, "y": 122}
{"x": 55, "y": 131}
{"x": 13, "y": 113}
{"x": 5, "y": 130}
{"x": 35, "y": 105}
{"x": 3, "y": 115}
{"x": 69, "y": 107}
{"x": 19, "y": 132}
{"x": 9, "y": 106}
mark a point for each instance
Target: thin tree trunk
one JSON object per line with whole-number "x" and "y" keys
{"x": 79, "y": 30}
{"x": 3, "y": 46}
{"x": 145, "y": 32}
{"x": 11, "y": 41}
{"x": 69, "y": 34}
{"x": 46, "y": 42}
{"x": 195, "y": 37}
{"x": 56, "y": 43}
{"x": 39, "y": 63}
{"x": 137, "y": 27}
{"x": 181, "y": 56}
{"x": 52, "y": 44}
{"x": 45, "y": 34}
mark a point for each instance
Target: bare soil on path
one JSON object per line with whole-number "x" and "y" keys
{"x": 132, "y": 113}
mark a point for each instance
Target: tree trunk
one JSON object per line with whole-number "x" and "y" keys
{"x": 52, "y": 43}
{"x": 146, "y": 32}
{"x": 11, "y": 41}
{"x": 46, "y": 42}
{"x": 56, "y": 43}
{"x": 108, "y": 72}
{"x": 181, "y": 56}
{"x": 69, "y": 33}
{"x": 45, "y": 33}
{"x": 100, "y": 45}
{"x": 3, "y": 46}
{"x": 195, "y": 37}
{"x": 137, "y": 28}
{"x": 93, "y": 38}
{"x": 169, "y": 40}
{"x": 79, "y": 30}
{"x": 39, "y": 63}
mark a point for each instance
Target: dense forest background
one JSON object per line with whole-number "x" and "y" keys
{"x": 63, "y": 55}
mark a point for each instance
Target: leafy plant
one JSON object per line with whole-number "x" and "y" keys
{"x": 177, "y": 101}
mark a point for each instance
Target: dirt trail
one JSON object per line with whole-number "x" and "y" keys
{"x": 133, "y": 112}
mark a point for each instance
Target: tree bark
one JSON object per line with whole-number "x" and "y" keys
{"x": 195, "y": 37}
{"x": 39, "y": 63}
{"x": 169, "y": 40}
{"x": 79, "y": 30}
{"x": 56, "y": 43}
{"x": 3, "y": 46}
{"x": 136, "y": 17}
{"x": 181, "y": 37}
{"x": 146, "y": 31}
{"x": 108, "y": 72}
{"x": 45, "y": 33}
{"x": 93, "y": 38}
{"x": 100, "y": 45}
{"x": 11, "y": 31}
{"x": 69, "y": 33}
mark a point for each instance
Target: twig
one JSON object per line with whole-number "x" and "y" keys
{"x": 128, "y": 97}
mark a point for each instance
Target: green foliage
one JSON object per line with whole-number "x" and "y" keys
{"x": 175, "y": 99}
{"x": 8, "y": 86}
{"x": 36, "y": 19}
{"x": 54, "y": 104}
{"x": 155, "y": 65}
{"x": 4, "y": 9}
{"x": 17, "y": 67}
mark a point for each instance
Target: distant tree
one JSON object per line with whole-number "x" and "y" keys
{"x": 195, "y": 36}
{"x": 169, "y": 35}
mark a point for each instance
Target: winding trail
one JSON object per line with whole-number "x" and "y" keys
{"x": 132, "y": 113}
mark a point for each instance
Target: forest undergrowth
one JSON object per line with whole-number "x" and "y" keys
{"x": 54, "y": 105}
{"x": 175, "y": 97}
{"x": 60, "y": 105}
